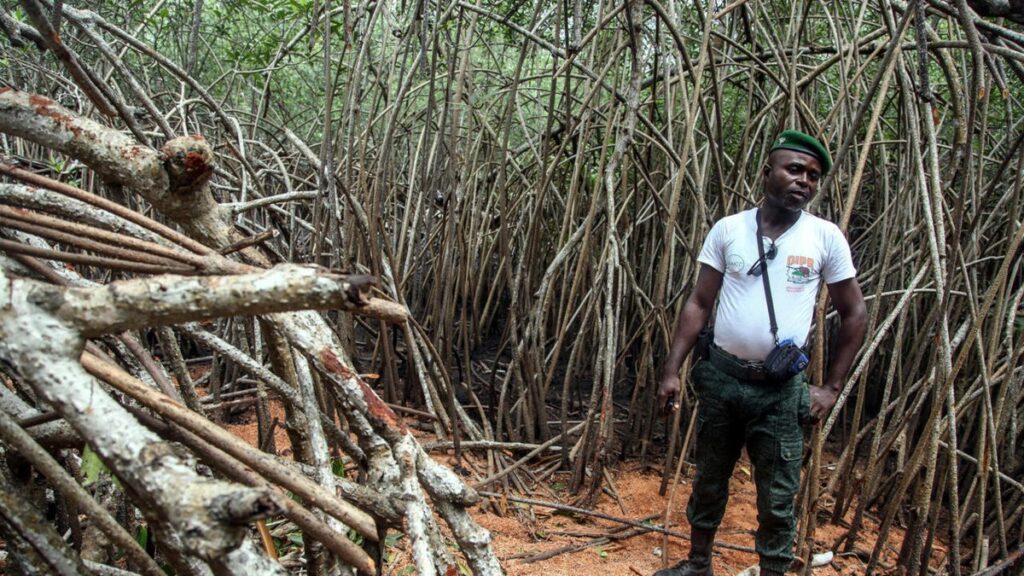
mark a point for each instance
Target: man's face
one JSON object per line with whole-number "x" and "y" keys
{"x": 791, "y": 179}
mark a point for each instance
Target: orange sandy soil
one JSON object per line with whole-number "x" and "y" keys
{"x": 517, "y": 534}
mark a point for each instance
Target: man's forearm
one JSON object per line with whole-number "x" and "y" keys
{"x": 851, "y": 336}
{"x": 693, "y": 317}
{"x": 691, "y": 320}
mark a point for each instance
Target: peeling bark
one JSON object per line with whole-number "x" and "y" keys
{"x": 175, "y": 181}
{"x": 42, "y": 351}
{"x": 162, "y": 300}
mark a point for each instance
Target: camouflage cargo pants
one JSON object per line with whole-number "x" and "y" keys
{"x": 767, "y": 420}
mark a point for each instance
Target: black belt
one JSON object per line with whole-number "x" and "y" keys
{"x": 737, "y": 367}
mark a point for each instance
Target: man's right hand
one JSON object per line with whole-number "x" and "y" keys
{"x": 668, "y": 393}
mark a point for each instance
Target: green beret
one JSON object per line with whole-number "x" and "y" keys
{"x": 800, "y": 142}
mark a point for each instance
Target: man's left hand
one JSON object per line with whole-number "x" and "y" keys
{"x": 823, "y": 398}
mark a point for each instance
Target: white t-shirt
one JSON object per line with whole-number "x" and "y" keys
{"x": 811, "y": 250}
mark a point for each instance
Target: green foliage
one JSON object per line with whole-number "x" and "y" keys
{"x": 57, "y": 165}
{"x": 392, "y": 539}
{"x": 142, "y": 536}
{"x": 338, "y": 466}
{"x": 92, "y": 467}
{"x": 249, "y": 33}
{"x": 289, "y": 542}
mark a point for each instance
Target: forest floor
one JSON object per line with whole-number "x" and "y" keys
{"x": 526, "y": 531}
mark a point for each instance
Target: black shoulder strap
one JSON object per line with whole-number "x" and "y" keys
{"x": 764, "y": 277}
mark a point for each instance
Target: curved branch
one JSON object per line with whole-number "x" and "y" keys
{"x": 173, "y": 179}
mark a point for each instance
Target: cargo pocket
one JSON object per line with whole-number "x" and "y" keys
{"x": 786, "y": 480}
{"x": 790, "y": 450}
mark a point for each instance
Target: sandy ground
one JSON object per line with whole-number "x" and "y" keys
{"x": 639, "y": 554}
{"x": 532, "y": 530}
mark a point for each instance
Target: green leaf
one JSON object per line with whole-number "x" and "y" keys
{"x": 464, "y": 570}
{"x": 142, "y": 536}
{"x": 92, "y": 466}
{"x": 392, "y": 539}
{"x": 601, "y": 552}
{"x": 56, "y": 165}
{"x": 407, "y": 571}
{"x": 295, "y": 538}
{"x": 338, "y": 466}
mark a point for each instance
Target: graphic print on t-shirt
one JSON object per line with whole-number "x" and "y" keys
{"x": 734, "y": 263}
{"x": 799, "y": 272}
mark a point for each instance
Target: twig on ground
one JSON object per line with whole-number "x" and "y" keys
{"x": 603, "y": 516}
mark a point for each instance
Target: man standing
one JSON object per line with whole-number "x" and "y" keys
{"x": 741, "y": 402}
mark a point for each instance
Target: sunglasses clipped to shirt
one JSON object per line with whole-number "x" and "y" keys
{"x": 759, "y": 267}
